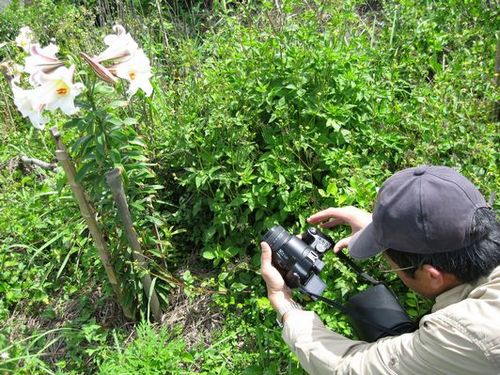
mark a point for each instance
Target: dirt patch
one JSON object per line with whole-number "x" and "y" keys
{"x": 197, "y": 316}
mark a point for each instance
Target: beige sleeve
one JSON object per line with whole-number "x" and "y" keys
{"x": 320, "y": 351}
{"x": 435, "y": 348}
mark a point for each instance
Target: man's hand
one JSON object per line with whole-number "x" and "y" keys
{"x": 354, "y": 217}
{"x": 277, "y": 291}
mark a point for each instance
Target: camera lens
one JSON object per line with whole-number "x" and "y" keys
{"x": 276, "y": 237}
{"x": 280, "y": 240}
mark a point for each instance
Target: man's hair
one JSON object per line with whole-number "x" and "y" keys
{"x": 467, "y": 264}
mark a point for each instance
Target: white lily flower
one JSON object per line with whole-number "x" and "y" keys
{"x": 130, "y": 62}
{"x": 41, "y": 60}
{"x": 25, "y": 38}
{"x": 57, "y": 90}
{"x": 29, "y": 107}
{"x": 136, "y": 70}
{"x": 121, "y": 45}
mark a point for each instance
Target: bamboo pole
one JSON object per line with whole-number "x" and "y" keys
{"x": 89, "y": 214}
{"x": 114, "y": 181}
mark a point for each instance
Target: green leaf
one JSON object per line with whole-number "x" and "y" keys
{"x": 208, "y": 254}
{"x": 80, "y": 175}
{"x": 118, "y": 104}
{"x": 238, "y": 287}
{"x": 130, "y": 121}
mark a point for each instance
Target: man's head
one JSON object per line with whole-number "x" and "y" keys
{"x": 432, "y": 219}
{"x": 440, "y": 271}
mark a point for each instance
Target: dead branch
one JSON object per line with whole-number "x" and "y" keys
{"x": 39, "y": 163}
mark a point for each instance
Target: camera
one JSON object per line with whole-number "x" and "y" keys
{"x": 299, "y": 260}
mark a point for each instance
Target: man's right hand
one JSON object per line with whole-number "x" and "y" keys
{"x": 354, "y": 217}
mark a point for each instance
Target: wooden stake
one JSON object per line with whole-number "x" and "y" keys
{"x": 89, "y": 214}
{"x": 114, "y": 181}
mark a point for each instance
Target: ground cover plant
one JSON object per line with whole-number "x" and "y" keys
{"x": 258, "y": 113}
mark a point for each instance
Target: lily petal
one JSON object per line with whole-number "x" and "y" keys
{"x": 121, "y": 45}
{"x": 137, "y": 71}
{"x": 41, "y": 60}
{"x": 26, "y": 104}
{"x": 57, "y": 90}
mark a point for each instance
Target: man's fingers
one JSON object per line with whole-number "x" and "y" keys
{"x": 337, "y": 214}
{"x": 332, "y": 223}
{"x": 342, "y": 244}
{"x": 266, "y": 255}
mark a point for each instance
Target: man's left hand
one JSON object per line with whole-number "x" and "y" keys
{"x": 277, "y": 291}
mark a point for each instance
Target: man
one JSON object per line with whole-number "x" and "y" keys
{"x": 443, "y": 240}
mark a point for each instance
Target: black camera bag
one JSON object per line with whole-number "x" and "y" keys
{"x": 376, "y": 313}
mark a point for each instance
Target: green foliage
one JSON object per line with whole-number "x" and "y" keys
{"x": 272, "y": 123}
{"x": 62, "y": 22}
{"x": 35, "y": 257}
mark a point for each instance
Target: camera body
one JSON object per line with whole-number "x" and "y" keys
{"x": 299, "y": 260}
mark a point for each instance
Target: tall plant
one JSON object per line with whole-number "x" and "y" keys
{"x": 103, "y": 131}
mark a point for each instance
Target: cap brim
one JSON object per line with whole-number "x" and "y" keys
{"x": 363, "y": 244}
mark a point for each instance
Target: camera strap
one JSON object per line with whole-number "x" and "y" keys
{"x": 357, "y": 269}
{"x": 328, "y": 301}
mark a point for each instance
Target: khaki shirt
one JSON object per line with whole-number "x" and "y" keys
{"x": 460, "y": 336}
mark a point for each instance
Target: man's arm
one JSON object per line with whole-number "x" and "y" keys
{"x": 318, "y": 349}
{"x": 439, "y": 346}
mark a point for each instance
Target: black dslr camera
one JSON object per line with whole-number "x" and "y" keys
{"x": 299, "y": 260}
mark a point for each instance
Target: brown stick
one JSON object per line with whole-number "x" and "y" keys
{"x": 114, "y": 181}
{"x": 9, "y": 118}
{"x": 89, "y": 214}
{"x": 164, "y": 32}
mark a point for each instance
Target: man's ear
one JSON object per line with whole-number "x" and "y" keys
{"x": 437, "y": 281}
{"x": 434, "y": 278}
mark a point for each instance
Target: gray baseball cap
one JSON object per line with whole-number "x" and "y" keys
{"x": 423, "y": 210}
